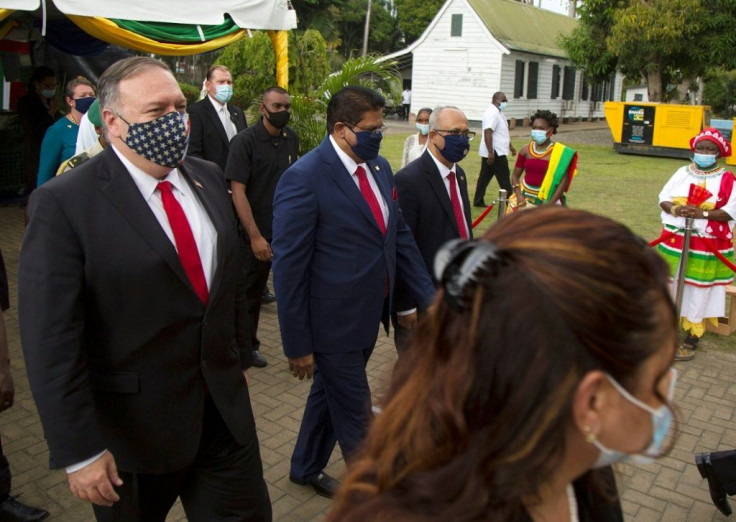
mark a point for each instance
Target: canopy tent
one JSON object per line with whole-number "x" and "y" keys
{"x": 163, "y": 27}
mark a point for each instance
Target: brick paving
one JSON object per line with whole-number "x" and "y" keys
{"x": 669, "y": 490}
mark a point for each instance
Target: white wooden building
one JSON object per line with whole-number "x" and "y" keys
{"x": 473, "y": 48}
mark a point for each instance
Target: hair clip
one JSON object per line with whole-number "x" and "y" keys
{"x": 460, "y": 263}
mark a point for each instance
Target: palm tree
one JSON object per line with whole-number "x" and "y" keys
{"x": 308, "y": 111}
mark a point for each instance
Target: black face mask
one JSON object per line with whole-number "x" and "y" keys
{"x": 278, "y": 119}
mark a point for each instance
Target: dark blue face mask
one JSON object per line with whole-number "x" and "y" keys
{"x": 369, "y": 143}
{"x": 456, "y": 147}
{"x": 83, "y": 104}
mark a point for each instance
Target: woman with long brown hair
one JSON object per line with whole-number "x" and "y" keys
{"x": 547, "y": 359}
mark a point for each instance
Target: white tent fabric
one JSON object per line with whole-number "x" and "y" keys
{"x": 248, "y": 14}
{"x": 22, "y": 5}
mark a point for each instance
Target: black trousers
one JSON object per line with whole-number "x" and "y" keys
{"x": 256, "y": 279}
{"x": 500, "y": 169}
{"x": 224, "y": 483}
{"x": 4, "y": 475}
{"x": 724, "y": 464}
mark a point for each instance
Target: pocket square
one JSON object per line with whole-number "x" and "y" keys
{"x": 394, "y": 196}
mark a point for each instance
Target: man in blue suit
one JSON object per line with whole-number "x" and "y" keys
{"x": 339, "y": 243}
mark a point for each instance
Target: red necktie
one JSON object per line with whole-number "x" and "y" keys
{"x": 370, "y": 198}
{"x": 456, "y": 207}
{"x": 184, "y": 239}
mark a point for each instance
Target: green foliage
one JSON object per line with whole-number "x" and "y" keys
{"x": 720, "y": 92}
{"x": 252, "y": 63}
{"x": 415, "y": 15}
{"x": 191, "y": 92}
{"x": 308, "y": 111}
{"x": 308, "y": 65}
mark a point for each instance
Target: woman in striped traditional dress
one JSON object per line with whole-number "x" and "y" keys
{"x": 706, "y": 278}
{"x": 548, "y": 167}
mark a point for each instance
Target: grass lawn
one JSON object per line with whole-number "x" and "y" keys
{"x": 620, "y": 186}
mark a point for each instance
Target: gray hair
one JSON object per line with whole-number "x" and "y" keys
{"x": 108, "y": 86}
{"x": 436, "y": 114}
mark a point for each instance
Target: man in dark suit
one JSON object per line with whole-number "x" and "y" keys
{"x": 129, "y": 284}
{"x": 339, "y": 244}
{"x": 214, "y": 121}
{"x": 433, "y": 194}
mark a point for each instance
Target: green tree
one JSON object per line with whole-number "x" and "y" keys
{"x": 651, "y": 38}
{"x": 308, "y": 65}
{"x": 720, "y": 91}
{"x": 415, "y": 15}
{"x": 252, "y": 63}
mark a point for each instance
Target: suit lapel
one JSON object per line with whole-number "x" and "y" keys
{"x": 123, "y": 194}
{"x": 344, "y": 180}
{"x": 216, "y": 121}
{"x": 462, "y": 182}
{"x": 237, "y": 117}
{"x": 440, "y": 190}
{"x": 385, "y": 189}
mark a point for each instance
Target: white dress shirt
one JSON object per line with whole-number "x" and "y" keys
{"x": 224, "y": 115}
{"x": 351, "y": 167}
{"x": 495, "y": 120}
{"x": 205, "y": 235}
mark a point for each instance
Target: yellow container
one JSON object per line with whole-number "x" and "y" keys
{"x": 655, "y": 129}
{"x": 731, "y": 160}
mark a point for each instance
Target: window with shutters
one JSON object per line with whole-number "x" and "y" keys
{"x": 556, "y": 73}
{"x": 532, "y": 80}
{"x": 568, "y": 83}
{"x": 456, "y": 28}
{"x": 519, "y": 79}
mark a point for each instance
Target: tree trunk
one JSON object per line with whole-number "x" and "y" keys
{"x": 654, "y": 84}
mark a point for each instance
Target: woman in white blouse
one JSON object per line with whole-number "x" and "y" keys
{"x": 416, "y": 144}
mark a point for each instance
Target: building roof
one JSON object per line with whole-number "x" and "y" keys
{"x": 523, "y": 27}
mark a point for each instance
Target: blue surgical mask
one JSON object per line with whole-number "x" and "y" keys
{"x": 163, "y": 141}
{"x": 223, "y": 93}
{"x": 456, "y": 147}
{"x": 502, "y": 106}
{"x": 368, "y": 145}
{"x": 48, "y": 93}
{"x": 661, "y": 421}
{"x": 704, "y": 160}
{"x": 83, "y": 104}
{"x": 423, "y": 128}
{"x": 539, "y": 136}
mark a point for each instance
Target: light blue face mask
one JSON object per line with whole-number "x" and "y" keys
{"x": 423, "y": 128}
{"x": 223, "y": 93}
{"x": 502, "y": 106}
{"x": 539, "y": 136}
{"x": 704, "y": 160}
{"x": 661, "y": 421}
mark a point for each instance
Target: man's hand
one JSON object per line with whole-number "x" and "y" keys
{"x": 408, "y": 321}
{"x": 246, "y": 374}
{"x": 512, "y": 149}
{"x": 94, "y": 483}
{"x": 302, "y": 366}
{"x": 7, "y": 388}
{"x": 261, "y": 249}
{"x": 490, "y": 159}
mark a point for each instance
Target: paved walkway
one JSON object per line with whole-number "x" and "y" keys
{"x": 670, "y": 490}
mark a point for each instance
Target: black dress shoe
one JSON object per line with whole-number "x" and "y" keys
{"x": 258, "y": 360}
{"x": 267, "y": 297}
{"x": 479, "y": 204}
{"x": 717, "y": 491}
{"x": 13, "y": 511}
{"x": 323, "y": 484}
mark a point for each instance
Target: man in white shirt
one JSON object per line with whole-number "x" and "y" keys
{"x": 406, "y": 102}
{"x": 214, "y": 121}
{"x": 494, "y": 149}
{"x": 129, "y": 292}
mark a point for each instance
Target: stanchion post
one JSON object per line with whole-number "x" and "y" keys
{"x": 503, "y": 202}
{"x": 683, "y": 264}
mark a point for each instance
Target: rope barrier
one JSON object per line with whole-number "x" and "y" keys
{"x": 483, "y": 215}
{"x": 664, "y": 237}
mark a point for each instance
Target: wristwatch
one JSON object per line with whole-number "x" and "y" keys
{"x": 705, "y": 213}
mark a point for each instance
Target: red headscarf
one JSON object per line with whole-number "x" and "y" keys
{"x": 716, "y": 137}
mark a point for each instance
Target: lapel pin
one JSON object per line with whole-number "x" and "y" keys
{"x": 199, "y": 185}
{"x": 378, "y": 168}
{"x": 462, "y": 178}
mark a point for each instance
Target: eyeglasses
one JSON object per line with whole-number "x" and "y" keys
{"x": 379, "y": 131}
{"x": 457, "y": 132}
